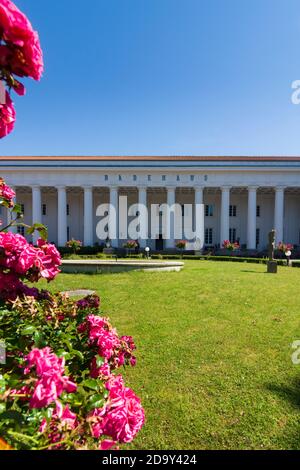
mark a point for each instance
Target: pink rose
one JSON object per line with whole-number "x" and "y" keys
{"x": 24, "y": 57}
{"x": 51, "y": 382}
{"x": 7, "y": 117}
{"x": 122, "y": 417}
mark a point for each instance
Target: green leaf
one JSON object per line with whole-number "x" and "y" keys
{"x": 99, "y": 361}
{"x": 96, "y": 401}
{"x": 28, "y": 330}
{"x": 90, "y": 383}
{"x": 39, "y": 228}
{"x": 39, "y": 340}
{"x": 63, "y": 353}
{"x": 17, "y": 209}
{"x": 12, "y": 414}
{"x": 78, "y": 354}
{"x": 2, "y": 384}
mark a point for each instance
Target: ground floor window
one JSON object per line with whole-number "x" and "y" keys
{"x": 257, "y": 237}
{"x": 21, "y": 230}
{"x": 232, "y": 235}
{"x": 208, "y": 236}
{"x": 68, "y": 233}
{"x": 209, "y": 210}
{"x": 232, "y": 211}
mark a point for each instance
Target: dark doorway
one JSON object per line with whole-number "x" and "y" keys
{"x": 159, "y": 243}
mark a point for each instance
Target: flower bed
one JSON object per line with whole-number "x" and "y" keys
{"x": 59, "y": 386}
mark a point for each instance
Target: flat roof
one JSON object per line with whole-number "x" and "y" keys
{"x": 158, "y": 158}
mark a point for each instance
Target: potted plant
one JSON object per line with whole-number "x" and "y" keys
{"x": 230, "y": 246}
{"x": 130, "y": 245}
{"x": 75, "y": 245}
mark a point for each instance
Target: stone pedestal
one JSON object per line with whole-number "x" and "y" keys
{"x": 108, "y": 251}
{"x": 272, "y": 267}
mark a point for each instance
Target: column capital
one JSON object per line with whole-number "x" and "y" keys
{"x": 87, "y": 187}
{"x": 226, "y": 187}
{"x": 170, "y": 188}
{"x": 60, "y": 186}
{"x": 279, "y": 188}
{"x": 252, "y": 187}
{"x": 35, "y": 186}
{"x": 199, "y": 188}
{"x": 142, "y": 188}
{"x": 113, "y": 188}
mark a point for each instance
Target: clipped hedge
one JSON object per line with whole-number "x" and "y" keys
{"x": 233, "y": 259}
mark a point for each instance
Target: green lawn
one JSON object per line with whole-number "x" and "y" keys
{"x": 214, "y": 341}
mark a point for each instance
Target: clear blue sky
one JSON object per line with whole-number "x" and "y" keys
{"x": 143, "y": 77}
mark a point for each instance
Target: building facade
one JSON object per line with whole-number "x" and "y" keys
{"x": 243, "y": 197}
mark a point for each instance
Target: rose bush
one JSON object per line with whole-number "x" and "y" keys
{"x": 20, "y": 55}
{"x": 75, "y": 245}
{"x": 59, "y": 386}
{"x": 228, "y": 245}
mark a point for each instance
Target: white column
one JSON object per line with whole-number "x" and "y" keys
{"x": 199, "y": 217}
{"x": 113, "y": 224}
{"x": 251, "y": 225}
{"x": 88, "y": 216}
{"x": 170, "y": 219}
{"x": 278, "y": 213}
{"x": 36, "y": 209}
{"x": 143, "y": 216}
{"x": 61, "y": 215}
{"x": 225, "y": 201}
{"x": 11, "y": 217}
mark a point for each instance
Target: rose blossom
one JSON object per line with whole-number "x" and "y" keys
{"x": 23, "y": 55}
{"x": 51, "y": 381}
{"x": 7, "y": 116}
{"x": 122, "y": 417}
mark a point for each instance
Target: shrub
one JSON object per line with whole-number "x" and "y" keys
{"x": 58, "y": 387}
{"x": 75, "y": 245}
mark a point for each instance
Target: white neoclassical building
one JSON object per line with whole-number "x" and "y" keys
{"x": 243, "y": 197}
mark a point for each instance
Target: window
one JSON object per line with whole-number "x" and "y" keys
{"x": 209, "y": 210}
{"x": 192, "y": 177}
{"x": 134, "y": 177}
{"x": 21, "y": 230}
{"x": 182, "y": 210}
{"x": 232, "y": 211}
{"x": 232, "y": 235}
{"x": 44, "y": 209}
{"x": 163, "y": 177}
{"x": 68, "y": 209}
{"x": 22, "y": 208}
{"x": 177, "y": 178}
{"x": 120, "y": 177}
{"x": 106, "y": 177}
{"x": 205, "y": 177}
{"x": 208, "y": 236}
{"x": 257, "y": 211}
{"x": 257, "y": 236}
{"x": 149, "y": 177}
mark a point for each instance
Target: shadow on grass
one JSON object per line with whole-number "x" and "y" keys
{"x": 289, "y": 393}
{"x": 290, "y": 435}
{"x": 251, "y": 271}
